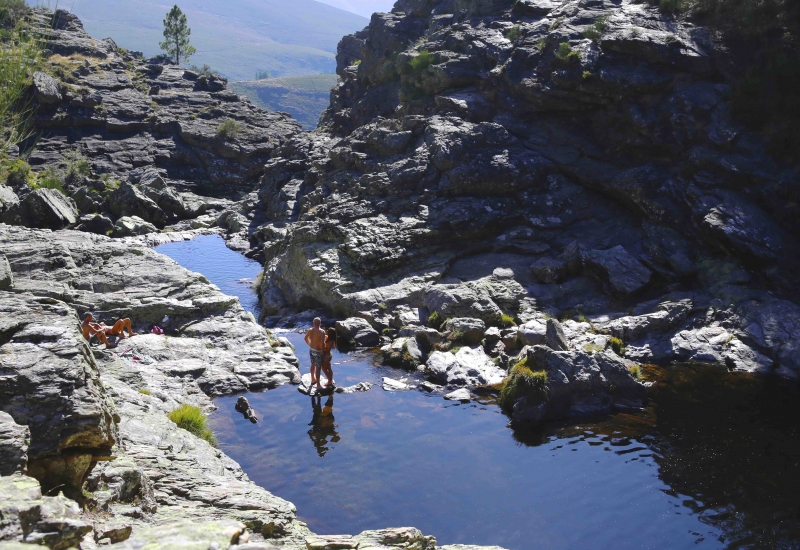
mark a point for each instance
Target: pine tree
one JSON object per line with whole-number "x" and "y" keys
{"x": 176, "y": 36}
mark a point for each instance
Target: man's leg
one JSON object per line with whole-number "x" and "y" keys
{"x": 103, "y": 339}
{"x": 126, "y": 325}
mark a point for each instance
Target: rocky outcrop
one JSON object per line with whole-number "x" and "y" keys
{"x": 45, "y": 209}
{"x": 569, "y": 159}
{"x": 221, "y": 346}
{"x": 50, "y": 374}
{"x": 14, "y": 441}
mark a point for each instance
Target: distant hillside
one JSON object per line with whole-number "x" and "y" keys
{"x": 303, "y": 97}
{"x": 236, "y": 38}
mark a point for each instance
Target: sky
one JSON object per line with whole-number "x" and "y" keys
{"x": 361, "y": 7}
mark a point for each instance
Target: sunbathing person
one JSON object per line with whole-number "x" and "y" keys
{"x": 102, "y": 331}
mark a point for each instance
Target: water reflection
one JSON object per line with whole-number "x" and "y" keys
{"x": 323, "y": 429}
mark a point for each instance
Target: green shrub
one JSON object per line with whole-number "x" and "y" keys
{"x": 357, "y": 62}
{"x": 435, "y": 320}
{"x": 636, "y": 372}
{"x": 206, "y": 70}
{"x": 421, "y": 61}
{"x": 514, "y": 33}
{"x": 595, "y": 32}
{"x": 12, "y": 11}
{"x": 669, "y": 6}
{"x": 229, "y": 129}
{"x": 556, "y": 24}
{"x": 541, "y": 44}
{"x": 192, "y": 419}
{"x": 457, "y": 336}
{"x": 523, "y": 382}
{"x": 566, "y": 54}
{"x": 18, "y": 173}
{"x": 507, "y": 321}
{"x": 49, "y": 178}
{"x": 21, "y": 53}
{"x": 618, "y": 346}
{"x": 143, "y": 391}
{"x": 262, "y": 75}
{"x": 383, "y": 307}
{"x": 110, "y": 183}
{"x": 77, "y": 166}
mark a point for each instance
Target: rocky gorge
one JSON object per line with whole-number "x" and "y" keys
{"x": 487, "y": 206}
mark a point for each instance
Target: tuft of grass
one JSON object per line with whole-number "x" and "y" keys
{"x": 229, "y": 129}
{"x": 566, "y": 54}
{"x": 110, "y": 183}
{"x": 206, "y": 70}
{"x": 435, "y": 320}
{"x": 49, "y": 178}
{"x": 357, "y": 62}
{"x": 192, "y": 419}
{"x": 507, "y": 321}
{"x": 556, "y": 24}
{"x": 636, "y": 372}
{"x": 383, "y": 307}
{"x": 618, "y": 346}
{"x": 17, "y": 173}
{"x": 541, "y": 43}
{"x": 595, "y": 32}
{"x": 421, "y": 61}
{"x": 77, "y": 166}
{"x": 514, "y": 33}
{"x": 144, "y": 391}
{"x": 523, "y": 382}
{"x": 455, "y": 349}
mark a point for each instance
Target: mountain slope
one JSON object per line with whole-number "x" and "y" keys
{"x": 235, "y": 38}
{"x": 303, "y": 97}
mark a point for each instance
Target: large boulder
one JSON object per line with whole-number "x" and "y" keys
{"x": 579, "y": 384}
{"x": 555, "y": 336}
{"x": 189, "y": 534}
{"x": 6, "y": 276}
{"x": 51, "y": 384}
{"x": 8, "y": 199}
{"x": 128, "y": 200}
{"x": 128, "y": 226}
{"x": 466, "y": 330}
{"x": 44, "y": 209}
{"x": 403, "y": 352}
{"x": 451, "y": 301}
{"x": 14, "y": 440}
{"x": 469, "y": 366}
{"x": 620, "y": 273}
{"x": 532, "y": 333}
{"x": 28, "y": 516}
{"x": 355, "y": 331}
{"x": 98, "y": 224}
{"x": 46, "y": 89}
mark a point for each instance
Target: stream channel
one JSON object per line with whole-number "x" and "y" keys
{"x": 712, "y": 462}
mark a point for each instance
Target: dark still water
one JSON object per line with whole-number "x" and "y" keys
{"x": 713, "y": 463}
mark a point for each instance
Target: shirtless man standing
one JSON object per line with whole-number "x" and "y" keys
{"x": 315, "y": 338}
{"x": 101, "y": 330}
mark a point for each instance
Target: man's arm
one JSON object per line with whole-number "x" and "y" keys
{"x": 308, "y": 338}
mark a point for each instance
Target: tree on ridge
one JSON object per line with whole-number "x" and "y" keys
{"x": 176, "y": 36}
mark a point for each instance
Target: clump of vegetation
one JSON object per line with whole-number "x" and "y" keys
{"x": 192, "y": 419}
{"x": 595, "y": 32}
{"x": 357, "y": 62}
{"x": 457, "y": 336}
{"x": 670, "y": 6}
{"x": 77, "y": 166}
{"x": 636, "y": 372}
{"x": 618, "y": 346}
{"x": 541, "y": 44}
{"x": 435, "y": 320}
{"x": 49, "y": 178}
{"x": 110, "y": 183}
{"x": 507, "y": 321}
{"x": 455, "y": 349}
{"x": 144, "y": 391}
{"x": 421, "y": 61}
{"x": 21, "y": 53}
{"x": 203, "y": 70}
{"x": 382, "y": 307}
{"x": 229, "y": 129}
{"x": 12, "y": 11}
{"x": 556, "y": 24}
{"x": 566, "y": 54}
{"x": 523, "y": 382}
{"x": 17, "y": 173}
{"x": 514, "y": 33}
{"x": 262, "y": 75}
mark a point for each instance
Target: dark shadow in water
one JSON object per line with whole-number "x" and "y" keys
{"x": 323, "y": 429}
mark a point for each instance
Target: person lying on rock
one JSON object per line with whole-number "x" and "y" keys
{"x": 315, "y": 338}
{"x": 102, "y": 331}
{"x": 327, "y": 356}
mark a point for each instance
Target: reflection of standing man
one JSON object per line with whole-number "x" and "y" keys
{"x": 315, "y": 338}
{"x": 322, "y": 424}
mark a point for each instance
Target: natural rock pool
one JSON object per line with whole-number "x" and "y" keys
{"x": 712, "y": 463}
